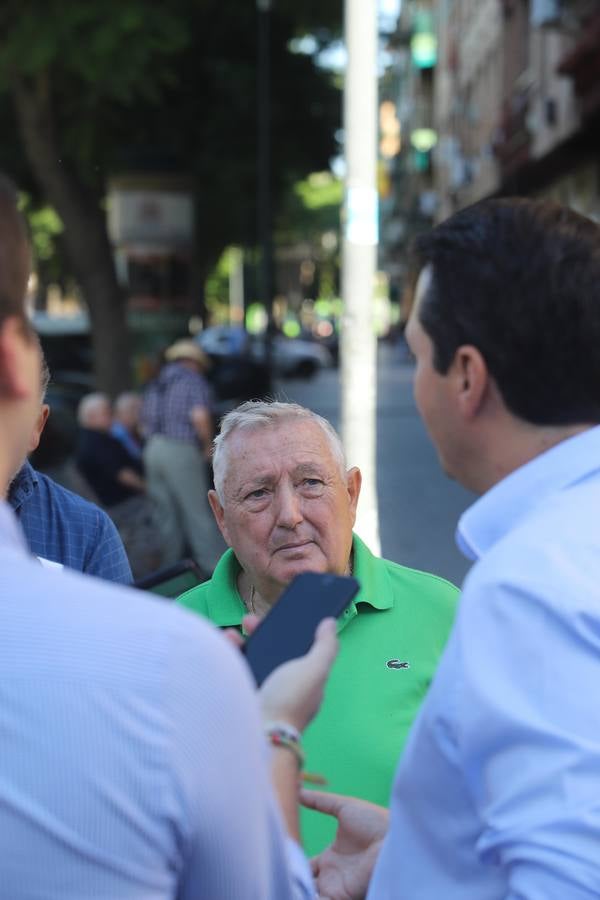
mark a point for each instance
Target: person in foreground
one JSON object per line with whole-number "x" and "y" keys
{"x": 285, "y": 504}
{"x": 133, "y": 761}
{"x": 497, "y": 793}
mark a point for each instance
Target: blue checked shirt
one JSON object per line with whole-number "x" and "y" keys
{"x": 169, "y": 400}
{"x": 64, "y": 528}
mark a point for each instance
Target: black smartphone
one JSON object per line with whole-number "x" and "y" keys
{"x": 289, "y": 629}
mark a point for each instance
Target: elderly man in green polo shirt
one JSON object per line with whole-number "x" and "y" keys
{"x": 286, "y": 504}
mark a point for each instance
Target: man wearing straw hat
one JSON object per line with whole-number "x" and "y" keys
{"x": 177, "y": 420}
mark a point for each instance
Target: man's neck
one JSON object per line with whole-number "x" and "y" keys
{"x": 254, "y": 600}
{"x": 512, "y": 448}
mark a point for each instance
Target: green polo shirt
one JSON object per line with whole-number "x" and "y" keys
{"x": 391, "y": 638}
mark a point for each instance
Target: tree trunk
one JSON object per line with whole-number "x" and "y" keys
{"x": 86, "y": 239}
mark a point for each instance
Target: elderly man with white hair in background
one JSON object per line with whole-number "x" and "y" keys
{"x": 125, "y": 427}
{"x": 113, "y": 474}
{"x": 286, "y": 504}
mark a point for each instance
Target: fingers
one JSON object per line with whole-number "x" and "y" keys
{"x": 234, "y": 637}
{"x": 321, "y": 801}
{"x": 250, "y": 622}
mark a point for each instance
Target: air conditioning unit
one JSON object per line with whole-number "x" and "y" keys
{"x": 544, "y": 12}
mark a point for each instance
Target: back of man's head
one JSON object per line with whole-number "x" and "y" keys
{"x": 520, "y": 280}
{"x": 14, "y": 253}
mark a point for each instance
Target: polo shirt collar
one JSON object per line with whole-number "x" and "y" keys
{"x": 374, "y": 584}
{"x": 22, "y": 485}
{"x": 510, "y": 501}
{"x": 226, "y": 608}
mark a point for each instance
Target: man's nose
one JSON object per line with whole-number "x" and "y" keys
{"x": 289, "y": 510}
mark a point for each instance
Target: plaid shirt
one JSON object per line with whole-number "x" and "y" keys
{"x": 169, "y": 400}
{"x": 64, "y": 528}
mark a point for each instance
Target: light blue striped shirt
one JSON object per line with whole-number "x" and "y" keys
{"x": 497, "y": 796}
{"x": 132, "y": 763}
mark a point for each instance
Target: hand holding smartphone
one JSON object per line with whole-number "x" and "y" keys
{"x": 288, "y": 631}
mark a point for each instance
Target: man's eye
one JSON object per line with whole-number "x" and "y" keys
{"x": 312, "y": 482}
{"x": 258, "y": 494}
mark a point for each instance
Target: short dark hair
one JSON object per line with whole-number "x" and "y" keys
{"x": 14, "y": 253}
{"x": 520, "y": 280}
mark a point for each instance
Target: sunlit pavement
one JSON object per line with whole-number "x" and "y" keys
{"x": 418, "y": 505}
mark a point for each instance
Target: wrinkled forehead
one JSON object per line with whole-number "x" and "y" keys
{"x": 283, "y": 446}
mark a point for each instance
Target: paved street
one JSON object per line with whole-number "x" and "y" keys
{"x": 418, "y": 505}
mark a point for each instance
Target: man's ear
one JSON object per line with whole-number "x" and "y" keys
{"x": 353, "y": 485}
{"x": 38, "y": 428}
{"x": 471, "y": 378}
{"x": 219, "y": 514}
{"x": 14, "y": 383}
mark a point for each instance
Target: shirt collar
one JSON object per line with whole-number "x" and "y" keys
{"x": 226, "y": 608}
{"x": 22, "y": 485}
{"x": 374, "y": 584}
{"x": 11, "y": 536}
{"x": 510, "y": 501}
{"x": 224, "y": 603}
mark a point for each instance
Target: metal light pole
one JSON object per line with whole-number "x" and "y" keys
{"x": 265, "y": 236}
{"x": 359, "y": 344}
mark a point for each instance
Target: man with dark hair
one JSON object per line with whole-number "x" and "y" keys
{"x": 519, "y": 281}
{"x": 496, "y": 795}
{"x": 133, "y": 760}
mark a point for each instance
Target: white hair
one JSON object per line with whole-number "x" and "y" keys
{"x": 255, "y": 414}
{"x": 89, "y": 406}
{"x": 125, "y": 401}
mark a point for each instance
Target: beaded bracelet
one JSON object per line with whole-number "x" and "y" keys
{"x": 283, "y": 728}
{"x": 283, "y": 735}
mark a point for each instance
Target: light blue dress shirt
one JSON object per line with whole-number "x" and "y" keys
{"x": 132, "y": 763}
{"x": 497, "y": 796}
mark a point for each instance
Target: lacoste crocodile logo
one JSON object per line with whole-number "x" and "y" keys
{"x": 397, "y": 664}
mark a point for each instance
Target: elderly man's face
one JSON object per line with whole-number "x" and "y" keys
{"x": 287, "y": 508}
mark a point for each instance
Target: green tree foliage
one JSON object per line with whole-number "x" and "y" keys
{"x": 311, "y": 208}
{"x": 89, "y": 89}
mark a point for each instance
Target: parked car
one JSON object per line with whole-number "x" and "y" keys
{"x": 290, "y": 357}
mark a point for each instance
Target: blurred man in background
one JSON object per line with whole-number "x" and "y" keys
{"x": 113, "y": 474}
{"x": 178, "y": 426}
{"x": 117, "y": 478}
{"x": 125, "y": 426}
